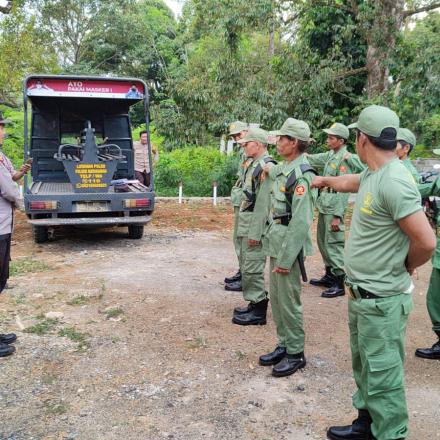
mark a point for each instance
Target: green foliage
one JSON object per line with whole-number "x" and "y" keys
{"x": 26, "y": 265}
{"x": 13, "y": 144}
{"x": 197, "y": 168}
{"x": 430, "y": 129}
{"x": 42, "y": 328}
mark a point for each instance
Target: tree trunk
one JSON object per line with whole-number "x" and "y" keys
{"x": 381, "y": 31}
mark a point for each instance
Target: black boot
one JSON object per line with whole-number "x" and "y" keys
{"x": 257, "y": 316}
{"x": 326, "y": 280}
{"x": 337, "y": 289}
{"x": 236, "y": 277}
{"x": 234, "y": 287}
{"x": 6, "y": 350}
{"x": 243, "y": 310}
{"x": 10, "y": 338}
{"x": 273, "y": 358}
{"x": 289, "y": 365}
{"x": 360, "y": 429}
{"x": 429, "y": 353}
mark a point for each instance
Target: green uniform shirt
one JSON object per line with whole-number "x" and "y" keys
{"x": 377, "y": 247}
{"x": 356, "y": 165}
{"x": 285, "y": 242}
{"x": 244, "y": 216}
{"x": 331, "y": 164}
{"x": 427, "y": 190}
{"x": 411, "y": 168}
{"x": 237, "y": 190}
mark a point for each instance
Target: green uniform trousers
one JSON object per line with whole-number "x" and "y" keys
{"x": 377, "y": 339}
{"x": 331, "y": 244}
{"x": 433, "y": 300}
{"x": 235, "y": 239}
{"x": 252, "y": 263}
{"x": 287, "y": 310}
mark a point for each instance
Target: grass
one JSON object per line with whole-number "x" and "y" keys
{"x": 114, "y": 313}
{"x": 199, "y": 342}
{"x": 75, "y": 336}
{"x": 43, "y": 327}
{"x": 240, "y": 355}
{"x": 55, "y": 407}
{"x": 79, "y": 300}
{"x": 26, "y": 265}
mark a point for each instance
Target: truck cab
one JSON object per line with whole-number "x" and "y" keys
{"x": 79, "y": 140}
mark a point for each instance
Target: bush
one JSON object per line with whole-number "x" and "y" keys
{"x": 13, "y": 144}
{"x": 197, "y": 168}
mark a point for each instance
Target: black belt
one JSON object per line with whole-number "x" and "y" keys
{"x": 364, "y": 294}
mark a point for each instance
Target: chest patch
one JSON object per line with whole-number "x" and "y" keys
{"x": 342, "y": 169}
{"x": 300, "y": 190}
{"x": 366, "y": 207}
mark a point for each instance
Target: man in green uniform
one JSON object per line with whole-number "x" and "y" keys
{"x": 286, "y": 241}
{"x": 389, "y": 238}
{"x": 252, "y": 258}
{"x": 332, "y": 207}
{"x": 405, "y": 143}
{"x": 237, "y": 130}
{"x": 432, "y": 191}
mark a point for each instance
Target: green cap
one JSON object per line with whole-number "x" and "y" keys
{"x": 338, "y": 129}
{"x": 374, "y": 118}
{"x": 403, "y": 134}
{"x": 237, "y": 127}
{"x": 255, "y": 135}
{"x": 437, "y": 151}
{"x": 294, "y": 128}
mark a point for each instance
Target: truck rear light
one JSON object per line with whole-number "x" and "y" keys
{"x": 136, "y": 203}
{"x": 51, "y": 205}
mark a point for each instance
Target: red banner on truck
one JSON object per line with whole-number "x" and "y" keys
{"x": 85, "y": 88}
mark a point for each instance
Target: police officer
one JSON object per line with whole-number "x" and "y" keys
{"x": 237, "y": 130}
{"x": 389, "y": 237}
{"x": 332, "y": 207}
{"x": 252, "y": 258}
{"x": 405, "y": 143}
{"x": 286, "y": 241}
{"x": 9, "y": 199}
{"x": 432, "y": 190}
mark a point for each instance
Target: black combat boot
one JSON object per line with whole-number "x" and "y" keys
{"x": 247, "y": 309}
{"x": 274, "y": 357}
{"x": 257, "y": 316}
{"x": 337, "y": 289}
{"x": 326, "y": 280}
{"x": 289, "y": 365}
{"x": 236, "y": 277}
{"x": 6, "y": 350}
{"x": 430, "y": 353}
{"x": 360, "y": 429}
{"x": 10, "y": 338}
{"x": 234, "y": 287}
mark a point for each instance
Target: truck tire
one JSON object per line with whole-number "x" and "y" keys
{"x": 41, "y": 234}
{"x": 135, "y": 231}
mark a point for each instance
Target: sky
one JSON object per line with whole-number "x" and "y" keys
{"x": 175, "y": 6}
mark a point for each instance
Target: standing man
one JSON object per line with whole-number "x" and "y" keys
{"x": 432, "y": 191}
{"x": 9, "y": 199}
{"x": 287, "y": 240}
{"x": 142, "y": 159}
{"x": 252, "y": 258}
{"x": 237, "y": 130}
{"x": 332, "y": 207}
{"x": 405, "y": 143}
{"x": 389, "y": 238}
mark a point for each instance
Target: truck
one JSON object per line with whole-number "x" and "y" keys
{"x": 78, "y": 137}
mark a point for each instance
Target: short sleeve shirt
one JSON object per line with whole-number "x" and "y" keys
{"x": 377, "y": 248}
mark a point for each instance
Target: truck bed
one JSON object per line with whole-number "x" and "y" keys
{"x": 52, "y": 188}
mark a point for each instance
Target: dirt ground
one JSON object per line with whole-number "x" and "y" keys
{"x": 122, "y": 339}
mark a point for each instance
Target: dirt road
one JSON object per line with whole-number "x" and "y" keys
{"x": 122, "y": 339}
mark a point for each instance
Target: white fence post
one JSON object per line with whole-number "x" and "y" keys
{"x": 214, "y": 193}
{"x": 180, "y": 192}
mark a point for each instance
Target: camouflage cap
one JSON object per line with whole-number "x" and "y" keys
{"x": 403, "y": 134}
{"x": 255, "y": 135}
{"x": 375, "y": 118}
{"x": 4, "y": 121}
{"x": 294, "y": 128}
{"x": 338, "y": 129}
{"x": 436, "y": 151}
{"x": 237, "y": 127}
